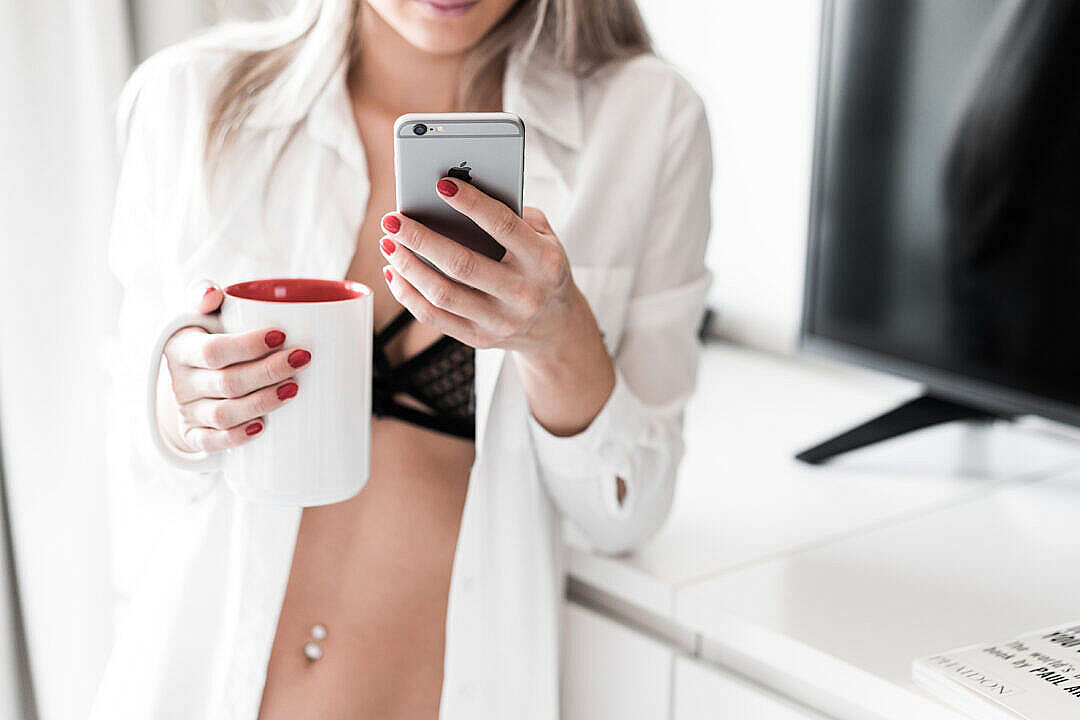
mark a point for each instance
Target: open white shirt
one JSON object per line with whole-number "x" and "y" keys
{"x": 620, "y": 163}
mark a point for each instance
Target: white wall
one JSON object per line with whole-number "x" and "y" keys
{"x": 754, "y": 63}
{"x": 64, "y": 62}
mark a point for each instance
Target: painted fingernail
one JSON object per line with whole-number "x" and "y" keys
{"x": 299, "y": 358}
{"x": 274, "y": 338}
{"x": 446, "y": 187}
{"x": 208, "y": 290}
{"x": 387, "y": 246}
{"x": 253, "y": 429}
{"x": 388, "y": 275}
{"x": 391, "y": 224}
{"x": 288, "y": 390}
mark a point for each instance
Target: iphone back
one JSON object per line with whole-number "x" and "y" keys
{"x": 485, "y": 149}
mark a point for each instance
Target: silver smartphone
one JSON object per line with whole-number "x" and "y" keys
{"x": 485, "y": 149}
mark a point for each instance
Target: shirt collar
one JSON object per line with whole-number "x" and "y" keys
{"x": 545, "y": 96}
{"x": 331, "y": 120}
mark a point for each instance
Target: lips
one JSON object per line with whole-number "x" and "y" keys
{"x": 449, "y": 7}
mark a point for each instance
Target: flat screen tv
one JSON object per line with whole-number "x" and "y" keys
{"x": 944, "y": 238}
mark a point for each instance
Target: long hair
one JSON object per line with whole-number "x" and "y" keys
{"x": 280, "y": 66}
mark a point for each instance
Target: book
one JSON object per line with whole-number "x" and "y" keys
{"x": 1033, "y": 677}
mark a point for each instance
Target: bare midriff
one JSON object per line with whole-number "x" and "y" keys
{"x": 375, "y": 571}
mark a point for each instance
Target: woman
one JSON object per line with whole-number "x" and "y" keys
{"x": 266, "y": 151}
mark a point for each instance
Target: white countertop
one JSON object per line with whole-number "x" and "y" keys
{"x": 825, "y": 582}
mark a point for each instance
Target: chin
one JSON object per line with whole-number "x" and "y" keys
{"x": 442, "y": 27}
{"x": 441, "y": 40}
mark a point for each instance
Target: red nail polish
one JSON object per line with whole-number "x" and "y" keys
{"x": 254, "y": 428}
{"x": 288, "y": 390}
{"x": 208, "y": 290}
{"x": 446, "y": 187}
{"x": 391, "y": 224}
{"x": 388, "y": 275}
{"x": 274, "y": 338}
{"x": 299, "y": 358}
{"x": 387, "y": 246}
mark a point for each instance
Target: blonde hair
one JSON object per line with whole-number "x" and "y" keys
{"x": 280, "y": 66}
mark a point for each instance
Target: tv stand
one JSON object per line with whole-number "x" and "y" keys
{"x": 922, "y": 412}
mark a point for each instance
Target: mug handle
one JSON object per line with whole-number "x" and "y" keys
{"x": 199, "y": 461}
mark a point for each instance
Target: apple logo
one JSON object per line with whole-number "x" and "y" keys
{"x": 461, "y": 172}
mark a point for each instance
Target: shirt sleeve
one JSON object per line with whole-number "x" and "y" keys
{"x": 156, "y": 125}
{"x": 637, "y": 436}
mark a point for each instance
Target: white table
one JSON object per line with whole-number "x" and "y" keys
{"x": 812, "y": 589}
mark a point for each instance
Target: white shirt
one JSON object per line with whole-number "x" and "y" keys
{"x": 620, "y": 163}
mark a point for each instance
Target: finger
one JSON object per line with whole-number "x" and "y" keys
{"x": 212, "y": 441}
{"x": 238, "y": 380}
{"x": 177, "y": 347}
{"x": 493, "y": 217}
{"x": 206, "y": 296}
{"x": 537, "y": 220}
{"x": 457, "y": 261}
{"x": 224, "y": 414}
{"x": 426, "y": 313}
{"x": 218, "y": 350}
{"x": 440, "y": 291}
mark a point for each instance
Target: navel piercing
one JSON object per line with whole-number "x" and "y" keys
{"x": 313, "y": 650}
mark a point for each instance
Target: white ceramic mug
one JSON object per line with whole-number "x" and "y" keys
{"x": 315, "y": 449}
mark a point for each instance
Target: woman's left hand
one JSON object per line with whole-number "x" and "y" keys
{"x": 527, "y": 302}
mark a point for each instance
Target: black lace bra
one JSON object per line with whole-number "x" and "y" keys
{"x": 439, "y": 378}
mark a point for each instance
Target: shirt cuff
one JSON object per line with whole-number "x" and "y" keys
{"x": 603, "y": 450}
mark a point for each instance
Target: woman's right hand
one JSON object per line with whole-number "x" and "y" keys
{"x": 224, "y": 384}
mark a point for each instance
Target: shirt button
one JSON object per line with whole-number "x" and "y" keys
{"x": 465, "y": 691}
{"x": 467, "y": 583}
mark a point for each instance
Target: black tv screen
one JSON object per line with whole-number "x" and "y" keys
{"x": 945, "y": 214}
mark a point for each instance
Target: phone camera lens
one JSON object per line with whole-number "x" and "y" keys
{"x": 419, "y": 128}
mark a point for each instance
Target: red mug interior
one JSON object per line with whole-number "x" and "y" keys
{"x": 297, "y": 290}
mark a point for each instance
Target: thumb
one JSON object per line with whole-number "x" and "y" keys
{"x": 206, "y": 297}
{"x": 536, "y": 219}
